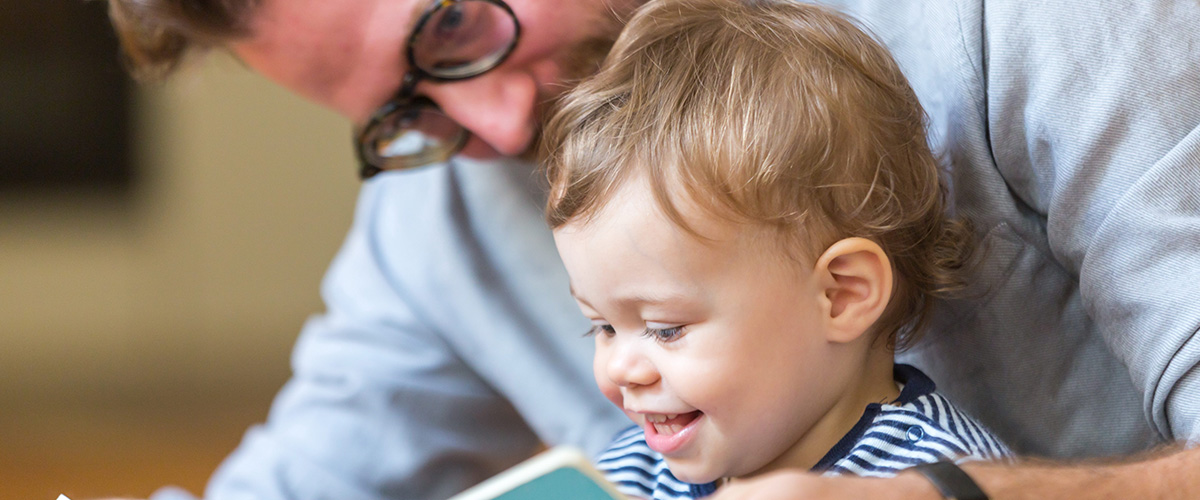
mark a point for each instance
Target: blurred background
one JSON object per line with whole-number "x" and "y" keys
{"x": 160, "y": 247}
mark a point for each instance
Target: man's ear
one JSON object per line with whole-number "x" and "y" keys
{"x": 855, "y": 278}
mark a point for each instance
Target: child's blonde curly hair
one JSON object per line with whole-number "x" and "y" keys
{"x": 768, "y": 112}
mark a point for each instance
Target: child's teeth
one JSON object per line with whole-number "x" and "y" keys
{"x": 667, "y": 429}
{"x": 659, "y": 418}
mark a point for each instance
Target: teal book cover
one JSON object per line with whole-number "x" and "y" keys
{"x": 557, "y": 474}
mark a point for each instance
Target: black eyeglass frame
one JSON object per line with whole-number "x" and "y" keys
{"x": 406, "y": 97}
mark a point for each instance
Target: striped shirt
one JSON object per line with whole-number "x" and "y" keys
{"x": 918, "y": 427}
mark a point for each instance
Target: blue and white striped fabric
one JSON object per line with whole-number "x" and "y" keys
{"x": 919, "y": 427}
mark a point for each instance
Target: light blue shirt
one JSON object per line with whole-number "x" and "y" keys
{"x": 1071, "y": 132}
{"x": 451, "y": 347}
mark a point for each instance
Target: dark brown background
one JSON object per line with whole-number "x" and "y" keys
{"x": 65, "y": 106}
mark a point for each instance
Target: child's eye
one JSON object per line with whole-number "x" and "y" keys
{"x": 604, "y": 328}
{"x": 665, "y": 335}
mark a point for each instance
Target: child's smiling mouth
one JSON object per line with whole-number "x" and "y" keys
{"x": 667, "y": 433}
{"x": 668, "y": 424}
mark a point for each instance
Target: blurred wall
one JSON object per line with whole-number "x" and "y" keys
{"x": 198, "y": 279}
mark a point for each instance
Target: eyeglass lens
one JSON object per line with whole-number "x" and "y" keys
{"x": 418, "y": 134}
{"x": 463, "y": 39}
{"x": 458, "y": 40}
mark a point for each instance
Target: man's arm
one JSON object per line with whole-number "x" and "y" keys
{"x": 1163, "y": 475}
{"x": 1093, "y": 123}
{"x": 1094, "y": 120}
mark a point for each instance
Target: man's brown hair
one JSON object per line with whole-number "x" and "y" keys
{"x": 157, "y": 35}
{"x": 767, "y": 112}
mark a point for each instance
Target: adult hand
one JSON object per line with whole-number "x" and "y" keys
{"x": 795, "y": 485}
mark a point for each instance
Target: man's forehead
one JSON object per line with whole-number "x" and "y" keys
{"x": 345, "y": 55}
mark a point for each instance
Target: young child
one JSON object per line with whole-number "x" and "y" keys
{"x": 750, "y": 214}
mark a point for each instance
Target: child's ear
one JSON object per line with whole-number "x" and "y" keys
{"x": 855, "y": 277}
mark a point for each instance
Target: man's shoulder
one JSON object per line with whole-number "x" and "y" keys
{"x": 441, "y": 220}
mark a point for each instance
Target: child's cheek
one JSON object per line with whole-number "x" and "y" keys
{"x": 610, "y": 390}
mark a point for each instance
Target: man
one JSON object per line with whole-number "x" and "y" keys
{"x": 448, "y": 350}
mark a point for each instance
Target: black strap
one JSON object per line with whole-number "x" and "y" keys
{"x": 952, "y": 481}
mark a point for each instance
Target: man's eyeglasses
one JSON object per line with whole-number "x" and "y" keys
{"x": 452, "y": 40}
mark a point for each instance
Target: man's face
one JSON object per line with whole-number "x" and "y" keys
{"x": 349, "y": 55}
{"x": 716, "y": 347}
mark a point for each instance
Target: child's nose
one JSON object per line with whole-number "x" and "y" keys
{"x": 628, "y": 368}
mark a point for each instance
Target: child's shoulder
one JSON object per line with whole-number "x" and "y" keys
{"x": 931, "y": 423}
{"x": 921, "y": 426}
{"x": 925, "y": 430}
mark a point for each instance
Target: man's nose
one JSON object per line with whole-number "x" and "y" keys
{"x": 499, "y": 108}
{"x": 627, "y": 366}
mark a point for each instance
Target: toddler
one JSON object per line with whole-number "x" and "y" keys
{"x": 749, "y": 212}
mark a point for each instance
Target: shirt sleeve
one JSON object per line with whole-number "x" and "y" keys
{"x": 1093, "y": 111}
{"x": 379, "y": 405}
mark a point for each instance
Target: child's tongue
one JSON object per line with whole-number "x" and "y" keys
{"x": 673, "y": 425}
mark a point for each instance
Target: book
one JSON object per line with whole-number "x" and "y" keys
{"x": 560, "y": 473}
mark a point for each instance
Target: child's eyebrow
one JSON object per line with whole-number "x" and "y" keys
{"x": 651, "y": 298}
{"x": 579, "y": 299}
{"x": 576, "y": 296}
{"x": 639, "y": 298}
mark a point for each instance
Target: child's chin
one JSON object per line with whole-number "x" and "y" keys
{"x": 692, "y": 472}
